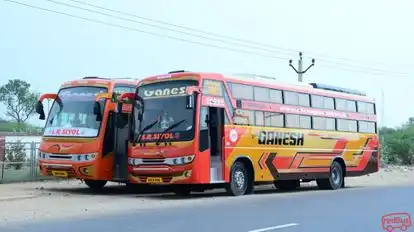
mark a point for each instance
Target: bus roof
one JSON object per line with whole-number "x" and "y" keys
{"x": 99, "y": 81}
{"x": 266, "y": 81}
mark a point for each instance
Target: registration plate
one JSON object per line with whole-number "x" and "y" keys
{"x": 60, "y": 173}
{"x": 154, "y": 180}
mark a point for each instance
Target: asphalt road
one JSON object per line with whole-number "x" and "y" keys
{"x": 354, "y": 209}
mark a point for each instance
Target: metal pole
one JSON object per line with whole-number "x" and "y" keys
{"x": 300, "y": 70}
{"x": 300, "y": 74}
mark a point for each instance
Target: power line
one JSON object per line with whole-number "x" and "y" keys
{"x": 352, "y": 69}
{"x": 163, "y": 28}
{"x": 186, "y": 28}
{"x": 257, "y": 45}
{"x": 222, "y": 36}
{"x": 141, "y": 31}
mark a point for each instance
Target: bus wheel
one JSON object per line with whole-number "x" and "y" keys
{"x": 95, "y": 185}
{"x": 182, "y": 190}
{"x": 239, "y": 180}
{"x": 287, "y": 184}
{"x": 335, "y": 180}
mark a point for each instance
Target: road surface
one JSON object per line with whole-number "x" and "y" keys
{"x": 353, "y": 209}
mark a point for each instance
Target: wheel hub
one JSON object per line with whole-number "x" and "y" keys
{"x": 335, "y": 175}
{"x": 239, "y": 179}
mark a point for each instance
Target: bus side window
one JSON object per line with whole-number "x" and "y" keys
{"x": 204, "y": 142}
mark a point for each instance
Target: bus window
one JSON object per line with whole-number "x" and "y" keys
{"x": 243, "y": 117}
{"x": 276, "y": 96}
{"x": 317, "y": 101}
{"x": 240, "y": 91}
{"x": 298, "y": 121}
{"x": 329, "y": 103}
{"x": 322, "y": 123}
{"x": 366, "y": 127}
{"x": 291, "y": 98}
{"x": 303, "y": 99}
{"x": 259, "y": 116}
{"x": 261, "y": 94}
{"x": 351, "y": 106}
{"x": 273, "y": 119}
{"x": 347, "y": 125}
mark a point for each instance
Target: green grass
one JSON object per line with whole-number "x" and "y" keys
{"x": 13, "y": 126}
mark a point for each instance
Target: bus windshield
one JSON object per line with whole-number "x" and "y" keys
{"x": 72, "y": 114}
{"x": 165, "y": 115}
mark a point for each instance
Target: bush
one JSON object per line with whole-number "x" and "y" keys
{"x": 15, "y": 154}
{"x": 398, "y": 145}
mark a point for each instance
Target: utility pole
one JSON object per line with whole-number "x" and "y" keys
{"x": 300, "y": 71}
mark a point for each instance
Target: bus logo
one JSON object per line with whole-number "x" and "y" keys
{"x": 396, "y": 222}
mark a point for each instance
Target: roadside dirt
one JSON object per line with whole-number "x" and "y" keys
{"x": 51, "y": 200}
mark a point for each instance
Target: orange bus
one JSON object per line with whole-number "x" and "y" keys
{"x": 81, "y": 139}
{"x": 197, "y": 131}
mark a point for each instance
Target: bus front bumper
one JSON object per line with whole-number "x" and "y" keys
{"x": 149, "y": 174}
{"x": 84, "y": 170}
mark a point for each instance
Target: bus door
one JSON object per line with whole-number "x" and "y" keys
{"x": 121, "y": 139}
{"x": 216, "y": 137}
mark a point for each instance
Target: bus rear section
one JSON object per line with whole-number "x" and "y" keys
{"x": 79, "y": 134}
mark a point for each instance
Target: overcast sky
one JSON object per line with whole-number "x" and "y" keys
{"x": 46, "y": 49}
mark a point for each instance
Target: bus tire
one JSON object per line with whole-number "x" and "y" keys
{"x": 287, "y": 184}
{"x": 95, "y": 185}
{"x": 335, "y": 180}
{"x": 239, "y": 180}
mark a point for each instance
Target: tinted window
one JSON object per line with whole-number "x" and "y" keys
{"x": 304, "y": 99}
{"x": 269, "y": 119}
{"x": 291, "y": 98}
{"x": 351, "y": 106}
{"x": 347, "y": 125}
{"x": 243, "y": 117}
{"x": 340, "y": 104}
{"x": 240, "y": 91}
{"x": 366, "y": 127}
{"x": 276, "y": 96}
{"x": 260, "y": 120}
{"x": 345, "y": 105}
{"x": 322, "y": 123}
{"x": 298, "y": 121}
{"x": 317, "y": 101}
{"x": 261, "y": 94}
{"x": 366, "y": 107}
{"x": 370, "y": 108}
{"x": 329, "y": 103}
{"x": 273, "y": 119}
{"x": 322, "y": 102}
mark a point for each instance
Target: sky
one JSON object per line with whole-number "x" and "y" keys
{"x": 47, "y": 49}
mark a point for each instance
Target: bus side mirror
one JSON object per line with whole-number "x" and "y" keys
{"x": 97, "y": 111}
{"x": 39, "y": 109}
{"x": 190, "y": 102}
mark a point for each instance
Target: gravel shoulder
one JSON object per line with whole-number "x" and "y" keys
{"x": 50, "y": 200}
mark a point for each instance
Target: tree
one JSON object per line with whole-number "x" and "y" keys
{"x": 16, "y": 154}
{"x": 19, "y": 100}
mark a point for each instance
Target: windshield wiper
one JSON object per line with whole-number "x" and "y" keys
{"x": 138, "y": 138}
{"x": 169, "y": 128}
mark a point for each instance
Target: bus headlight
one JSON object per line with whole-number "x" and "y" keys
{"x": 180, "y": 160}
{"x": 87, "y": 157}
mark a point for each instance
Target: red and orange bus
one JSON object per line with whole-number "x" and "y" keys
{"x": 84, "y": 131}
{"x": 197, "y": 131}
